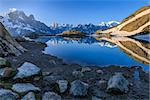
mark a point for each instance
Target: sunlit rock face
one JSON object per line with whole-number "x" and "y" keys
{"x": 137, "y": 49}
{"x": 7, "y": 44}
{"x": 136, "y": 23}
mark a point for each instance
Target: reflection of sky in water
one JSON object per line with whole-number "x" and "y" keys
{"x": 96, "y": 53}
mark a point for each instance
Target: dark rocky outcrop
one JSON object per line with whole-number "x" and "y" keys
{"x": 7, "y": 44}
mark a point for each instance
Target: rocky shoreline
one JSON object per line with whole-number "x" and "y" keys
{"x": 37, "y": 76}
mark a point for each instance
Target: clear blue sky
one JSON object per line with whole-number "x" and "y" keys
{"x": 75, "y": 11}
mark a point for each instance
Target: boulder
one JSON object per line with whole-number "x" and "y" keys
{"x": 85, "y": 69}
{"x": 79, "y": 88}
{"x": 7, "y": 72}
{"x": 8, "y": 95}
{"x": 100, "y": 71}
{"x": 24, "y": 87}
{"x": 29, "y": 96}
{"x": 118, "y": 84}
{"x": 51, "y": 96}
{"x": 63, "y": 85}
{"x": 53, "y": 78}
{"x": 27, "y": 70}
{"x": 77, "y": 74}
{"x": 102, "y": 84}
{"x": 4, "y": 63}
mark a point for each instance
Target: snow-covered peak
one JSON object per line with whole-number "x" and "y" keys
{"x": 109, "y": 24}
{"x": 12, "y": 9}
{"x": 18, "y": 23}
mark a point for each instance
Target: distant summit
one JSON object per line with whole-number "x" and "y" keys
{"x": 84, "y": 28}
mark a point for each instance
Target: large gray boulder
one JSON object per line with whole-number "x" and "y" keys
{"x": 8, "y": 95}
{"x": 27, "y": 70}
{"x": 24, "y": 87}
{"x": 51, "y": 96}
{"x": 29, "y": 96}
{"x": 118, "y": 84}
{"x": 63, "y": 85}
{"x": 79, "y": 88}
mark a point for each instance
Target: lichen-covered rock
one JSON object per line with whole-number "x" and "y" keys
{"x": 7, "y": 72}
{"x": 118, "y": 84}
{"x": 29, "y": 96}
{"x": 27, "y": 70}
{"x": 63, "y": 85}
{"x": 24, "y": 87}
{"x": 51, "y": 96}
{"x": 79, "y": 88}
{"x": 7, "y": 95}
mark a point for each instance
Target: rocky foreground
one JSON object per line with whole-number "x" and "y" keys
{"x": 36, "y": 76}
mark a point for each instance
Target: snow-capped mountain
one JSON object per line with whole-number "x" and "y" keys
{"x": 109, "y": 24}
{"x": 85, "y": 28}
{"x": 18, "y": 23}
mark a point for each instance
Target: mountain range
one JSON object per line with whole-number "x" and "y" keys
{"x": 20, "y": 24}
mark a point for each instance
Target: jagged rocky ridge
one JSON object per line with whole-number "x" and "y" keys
{"x": 7, "y": 44}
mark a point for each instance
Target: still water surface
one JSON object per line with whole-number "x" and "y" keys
{"x": 91, "y": 51}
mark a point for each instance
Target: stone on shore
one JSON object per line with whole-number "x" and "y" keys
{"x": 7, "y": 72}
{"x": 29, "y": 96}
{"x": 85, "y": 69}
{"x": 79, "y": 88}
{"x": 27, "y": 70}
{"x": 118, "y": 84}
{"x": 63, "y": 85}
{"x": 24, "y": 87}
{"x": 8, "y": 95}
{"x": 4, "y": 63}
{"x": 51, "y": 96}
{"x": 53, "y": 78}
{"x": 77, "y": 74}
{"x": 100, "y": 71}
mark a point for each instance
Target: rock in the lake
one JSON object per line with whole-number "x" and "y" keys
{"x": 4, "y": 63}
{"x": 27, "y": 70}
{"x": 63, "y": 85}
{"x": 8, "y": 95}
{"x": 77, "y": 74}
{"x": 51, "y": 96}
{"x": 24, "y": 87}
{"x": 79, "y": 88}
{"x": 118, "y": 84}
{"x": 29, "y": 96}
{"x": 85, "y": 69}
{"x": 100, "y": 71}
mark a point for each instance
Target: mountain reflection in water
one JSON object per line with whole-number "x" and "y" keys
{"x": 101, "y": 51}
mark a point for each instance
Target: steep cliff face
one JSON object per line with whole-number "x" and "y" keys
{"x": 7, "y": 44}
{"x": 138, "y": 22}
